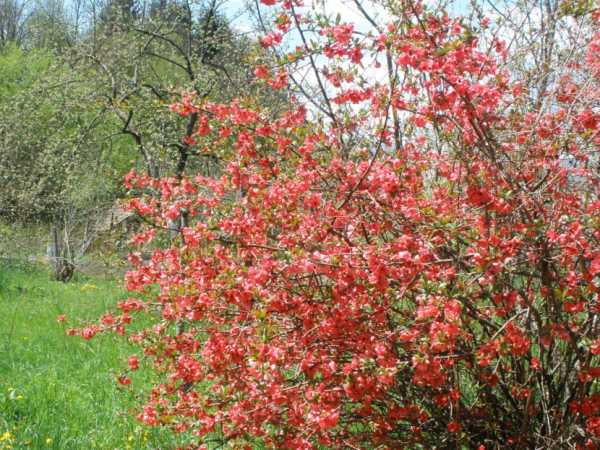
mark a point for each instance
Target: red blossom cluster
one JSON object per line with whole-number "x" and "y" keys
{"x": 419, "y": 270}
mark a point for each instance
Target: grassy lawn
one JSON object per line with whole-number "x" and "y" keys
{"x": 59, "y": 392}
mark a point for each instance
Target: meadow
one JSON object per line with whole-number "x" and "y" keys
{"x": 60, "y": 392}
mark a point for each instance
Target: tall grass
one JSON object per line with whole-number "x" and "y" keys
{"x": 59, "y": 392}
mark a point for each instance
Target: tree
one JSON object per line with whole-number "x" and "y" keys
{"x": 12, "y": 21}
{"x": 412, "y": 263}
{"x": 142, "y": 66}
{"x": 99, "y": 107}
{"x": 49, "y": 26}
{"x": 59, "y": 165}
{"x": 117, "y": 12}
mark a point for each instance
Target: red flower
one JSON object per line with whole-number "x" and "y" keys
{"x": 271, "y": 39}
{"x": 133, "y": 362}
{"x": 89, "y": 332}
{"x": 329, "y": 420}
{"x": 453, "y": 426}
{"x": 262, "y": 72}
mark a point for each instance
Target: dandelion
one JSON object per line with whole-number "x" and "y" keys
{"x": 7, "y": 436}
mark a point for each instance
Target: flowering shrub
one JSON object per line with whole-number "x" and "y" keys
{"x": 413, "y": 261}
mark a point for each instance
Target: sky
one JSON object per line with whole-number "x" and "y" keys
{"x": 235, "y": 10}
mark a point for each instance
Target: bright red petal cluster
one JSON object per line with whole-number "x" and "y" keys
{"x": 420, "y": 268}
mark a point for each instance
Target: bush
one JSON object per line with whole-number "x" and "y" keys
{"x": 416, "y": 267}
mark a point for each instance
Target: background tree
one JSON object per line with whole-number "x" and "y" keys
{"x": 13, "y": 15}
{"x": 122, "y": 64}
{"x": 49, "y": 26}
{"x": 60, "y": 165}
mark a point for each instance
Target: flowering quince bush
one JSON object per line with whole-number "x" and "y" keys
{"x": 413, "y": 262}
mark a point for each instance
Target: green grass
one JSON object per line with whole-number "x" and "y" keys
{"x": 56, "y": 391}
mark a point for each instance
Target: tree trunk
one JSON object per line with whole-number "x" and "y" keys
{"x": 63, "y": 269}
